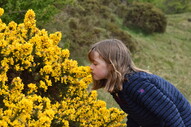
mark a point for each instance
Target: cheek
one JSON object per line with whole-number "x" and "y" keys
{"x": 104, "y": 72}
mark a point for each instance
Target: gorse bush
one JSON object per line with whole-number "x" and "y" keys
{"x": 41, "y": 86}
{"x": 145, "y": 17}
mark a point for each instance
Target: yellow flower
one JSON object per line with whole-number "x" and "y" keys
{"x": 50, "y": 113}
{"x": 46, "y": 70}
{"x": 1, "y": 11}
{"x": 65, "y": 123}
{"x": 3, "y": 123}
{"x": 65, "y": 53}
{"x": 22, "y": 31}
{"x": 18, "y": 67}
{"x": 29, "y": 20}
{"x": 43, "y": 85}
{"x": 12, "y": 27}
{"x": 32, "y": 87}
{"x": 17, "y": 83}
{"x": 68, "y": 65}
{"x": 56, "y": 37}
{"x": 93, "y": 94}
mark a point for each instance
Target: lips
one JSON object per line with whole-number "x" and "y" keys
{"x": 93, "y": 75}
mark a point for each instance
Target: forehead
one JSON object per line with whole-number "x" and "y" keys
{"x": 94, "y": 56}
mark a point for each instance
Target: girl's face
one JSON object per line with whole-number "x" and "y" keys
{"x": 99, "y": 67}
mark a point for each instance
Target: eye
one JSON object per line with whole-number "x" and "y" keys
{"x": 95, "y": 63}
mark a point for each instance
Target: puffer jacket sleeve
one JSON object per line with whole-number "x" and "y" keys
{"x": 131, "y": 122}
{"x": 147, "y": 95}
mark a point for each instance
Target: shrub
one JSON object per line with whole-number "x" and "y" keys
{"x": 41, "y": 86}
{"x": 146, "y": 17}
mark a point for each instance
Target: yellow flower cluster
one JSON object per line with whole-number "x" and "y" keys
{"x": 41, "y": 86}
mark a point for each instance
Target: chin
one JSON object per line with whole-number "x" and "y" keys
{"x": 96, "y": 79}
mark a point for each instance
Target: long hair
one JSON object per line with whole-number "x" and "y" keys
{"x": 113, "y": 52}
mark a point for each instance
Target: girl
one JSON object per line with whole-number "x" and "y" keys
{"x": 149, "y": 100}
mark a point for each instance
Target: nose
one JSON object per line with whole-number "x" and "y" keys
{"x": 91, "y": 67}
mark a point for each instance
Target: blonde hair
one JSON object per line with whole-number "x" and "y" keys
{"x": 114, "y": 52}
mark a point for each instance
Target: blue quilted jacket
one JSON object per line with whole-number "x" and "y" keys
{"x": 151, "y": 101}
